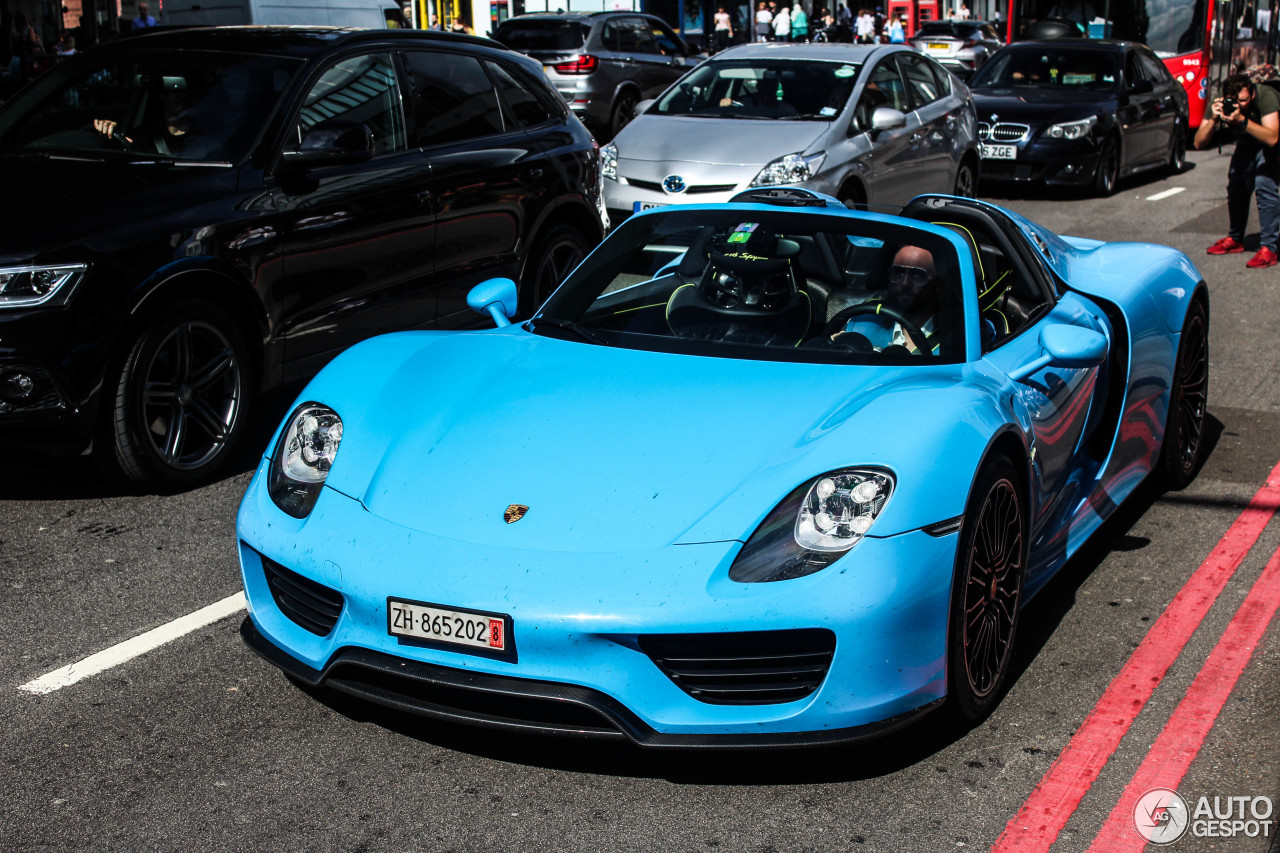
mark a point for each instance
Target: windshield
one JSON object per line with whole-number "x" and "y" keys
{"x": 769, "y": 285}
{"x": 541, "y": 35}
{"x": 762, "y": 88}
{"x": 1086, "y": 69}
{"x": 946, "y": 29}
{"x": 185, "y": 105}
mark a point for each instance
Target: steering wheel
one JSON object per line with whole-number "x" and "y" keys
{"x": 837, "y": 323}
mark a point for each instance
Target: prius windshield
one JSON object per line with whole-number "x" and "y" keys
{"x": 766, "y": 284}
{"x": 759, "y": 88}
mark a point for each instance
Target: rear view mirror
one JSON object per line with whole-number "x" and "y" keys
{"x": 333, "y": 143}
{"x": 496, "y": 297}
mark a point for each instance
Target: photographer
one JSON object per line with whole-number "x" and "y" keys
{"x": 1252, "y": 113}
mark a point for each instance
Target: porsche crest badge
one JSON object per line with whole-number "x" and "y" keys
{"x": 514, "y": 513}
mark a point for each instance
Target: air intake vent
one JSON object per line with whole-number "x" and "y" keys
{"x": 311, "y": 605}
{"x": 748, "y": 668}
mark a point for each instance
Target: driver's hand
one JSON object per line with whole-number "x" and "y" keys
{"x": 105, "y": 126}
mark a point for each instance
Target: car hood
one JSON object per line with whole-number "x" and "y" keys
{"x": 1039, "y": 106}
{"x": 610, "y": 449}
{"x": 92, "y": 203}
{"x": 715, "y": 141}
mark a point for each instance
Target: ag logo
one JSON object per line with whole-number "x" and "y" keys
{"x": 514, "y": 513}
{"x": 674, "y": 184}
{"x": 1161, "y": 816}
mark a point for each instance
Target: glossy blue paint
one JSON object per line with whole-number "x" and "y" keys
{"x": 644, "y": 472}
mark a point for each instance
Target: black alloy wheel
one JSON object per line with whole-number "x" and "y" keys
{"x": 622, "y": 111}
{"x": 1108, "y": 174}
{"x": 181, "y": 397}
{"x": 966, "y": 181}
{"x": 555, "y": 255}
{"x": 1178, "y": 149}
{"x": 1180, "y": 456}
{"x": 987, "y": 595}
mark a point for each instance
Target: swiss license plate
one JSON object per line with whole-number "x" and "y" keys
{"x": 999, "y": 152}
{"x": 470, "y": 629}
{"x": 934, "y": 45}
{"x": 646, "y": 205}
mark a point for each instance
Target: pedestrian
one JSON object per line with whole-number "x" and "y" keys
{"x": 722, "y": 35}
{"x": 962, "y": 11}
{"x": 24, "y": 46}
{"x": 844, "y": 22}
{"x": 457, "y": 25}
{"x": 799, "y": 23}
{"x": 764, "y": 22}
{"x": 1252, "y": 113}
{"x": 866, "y": 27}
{"x": 66, "y": 46}
{"x": 782, "y": 25}
{"x": 143, "y": 20}
{"x": 897, "y": 33}
{"x": 435, "y": 24}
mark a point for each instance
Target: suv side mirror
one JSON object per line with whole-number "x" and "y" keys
{"x": 335, "y": 142}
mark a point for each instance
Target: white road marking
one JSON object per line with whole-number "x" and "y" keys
{"x": 139, "y": 645}
{"x": 1166, "y": 194}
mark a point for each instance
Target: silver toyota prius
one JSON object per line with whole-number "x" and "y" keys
{"x": 869, "y": 124}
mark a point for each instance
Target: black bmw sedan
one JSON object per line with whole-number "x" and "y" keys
{"x": 1083, "y": 113}
{"x": 214, "y": 212}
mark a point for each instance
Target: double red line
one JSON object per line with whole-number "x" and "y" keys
{"x": 1042, "y": 817}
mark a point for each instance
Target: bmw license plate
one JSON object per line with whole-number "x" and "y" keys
{"x": 646, "y": 205}
{"x": 999, "y": 152}
{"x": 470, "y": 629}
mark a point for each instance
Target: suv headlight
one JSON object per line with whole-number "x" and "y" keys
{"x": 791, "y": 169}
{"x": 1072, "y": 129}
{"x": 814, "y": 525}
{"x": 609, "y": 161}
{"x": 302, "y": 458}
{"x": 24, "y": 287}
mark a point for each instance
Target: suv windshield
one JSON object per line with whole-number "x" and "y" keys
{"x": 182, "y": 105}
{"x": 762, "y": 88}
{"x": 769, "y": 285}
{"x": 947, "y": 29}
{"x": 1095, "y": 70}
{"x": 541, "y": 35}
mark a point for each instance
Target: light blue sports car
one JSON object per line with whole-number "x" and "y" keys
{"x": 770, "y": 472}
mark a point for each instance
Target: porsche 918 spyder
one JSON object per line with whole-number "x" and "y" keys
{"x": 768, "y": 472}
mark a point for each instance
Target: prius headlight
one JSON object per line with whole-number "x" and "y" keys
{"x": 303, "y": 457}
{"x": 814, "y": 525}
{"x": 1072, "y": 129}
{"x": 791, "y": 169}
{"x": 28, "y": 286}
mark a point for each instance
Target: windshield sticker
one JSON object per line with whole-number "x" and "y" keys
{"x": 743, "y": 232}
{"x": 844, "y": 71}
{"x": 827, "y": 111}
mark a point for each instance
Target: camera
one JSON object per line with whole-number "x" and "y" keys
{"x": 1229, "y": 105}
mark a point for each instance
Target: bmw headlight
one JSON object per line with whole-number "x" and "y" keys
{"x": 609, "y": 161}
{"x": 25, "y": 287}
{"x": 1072, "y": 129}
{"x": 303, "y": 457}
{"x": 814, "y": 525}
{"x": 791, "y": 169}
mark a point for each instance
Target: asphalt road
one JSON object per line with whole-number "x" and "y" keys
{"x": 199, "y": 745}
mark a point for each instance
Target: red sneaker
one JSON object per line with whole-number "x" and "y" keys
{"x": 1264, "y": 258}
{"x": 1226, "y": 246}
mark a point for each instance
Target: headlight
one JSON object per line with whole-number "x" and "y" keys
{"x": 303, "y": 457}
{"x": 609, "y": 161}
{"x": 814, "y": 525}
{"x": 23, "y": 287}
{"x": 791, "y": 169}
{"x": 1072, "y": 129}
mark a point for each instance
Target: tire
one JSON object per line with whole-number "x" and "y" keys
{"x": 1178, "y": 150}
{"x": 853, "y": 197}
{"x": 1183, "y": 447}
{"x": 179, "y": 400}
{"x": 1108, "y": 173}
{"x": 987, "y": 593}
{"x": 966, "y": 180}
{"x": 622, "y": 109}
{"x": 555, "y": 255}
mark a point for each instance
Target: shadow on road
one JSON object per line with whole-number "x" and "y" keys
{"x": 1039, "y": 191}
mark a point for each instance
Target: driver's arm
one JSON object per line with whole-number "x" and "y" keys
{"x": 107, "y": 127}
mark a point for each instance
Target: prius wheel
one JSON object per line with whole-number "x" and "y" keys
{"x": 1108, "y": 174}
{"x": 554, "y": 256}
{"x": 1183, "y": 447}
{"x": 180, "y": 401}
{"x": 987, "y": 593}
{"x": 622, "y": 112}
{"x": 966, "y": 181}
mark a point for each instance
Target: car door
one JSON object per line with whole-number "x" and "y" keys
{"x": 674, "y": 54}
{"x": 1167, "y": 91}
{"x": 937, "y": 111}
{"x": 357, "y": 238}
{"x": 1140, "y": 113}
{"x": 483, "y": 177}
{"x": 883, "y": 159}
{"x": 649, "y": 67}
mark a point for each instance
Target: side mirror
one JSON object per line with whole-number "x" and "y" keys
{"x": 1141, "y": 87}
{"x": 887, "y": 118}
{"x": 1065, "y": 346}
{"x": 496, "y": 297}
{"x": 641, "y": 107}
{"x": 333, "y": 143}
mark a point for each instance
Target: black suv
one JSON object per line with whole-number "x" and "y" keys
{"x": 222, "y": 210}
{"x": 603, "y": 63}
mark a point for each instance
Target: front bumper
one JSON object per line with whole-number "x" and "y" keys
{"x": 1063, "y": 163}
{"x": 579, "y": 619}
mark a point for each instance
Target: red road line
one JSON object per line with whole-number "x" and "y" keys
{"x": 1180, "y": 741}
{"x": 1040, "y": 820}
